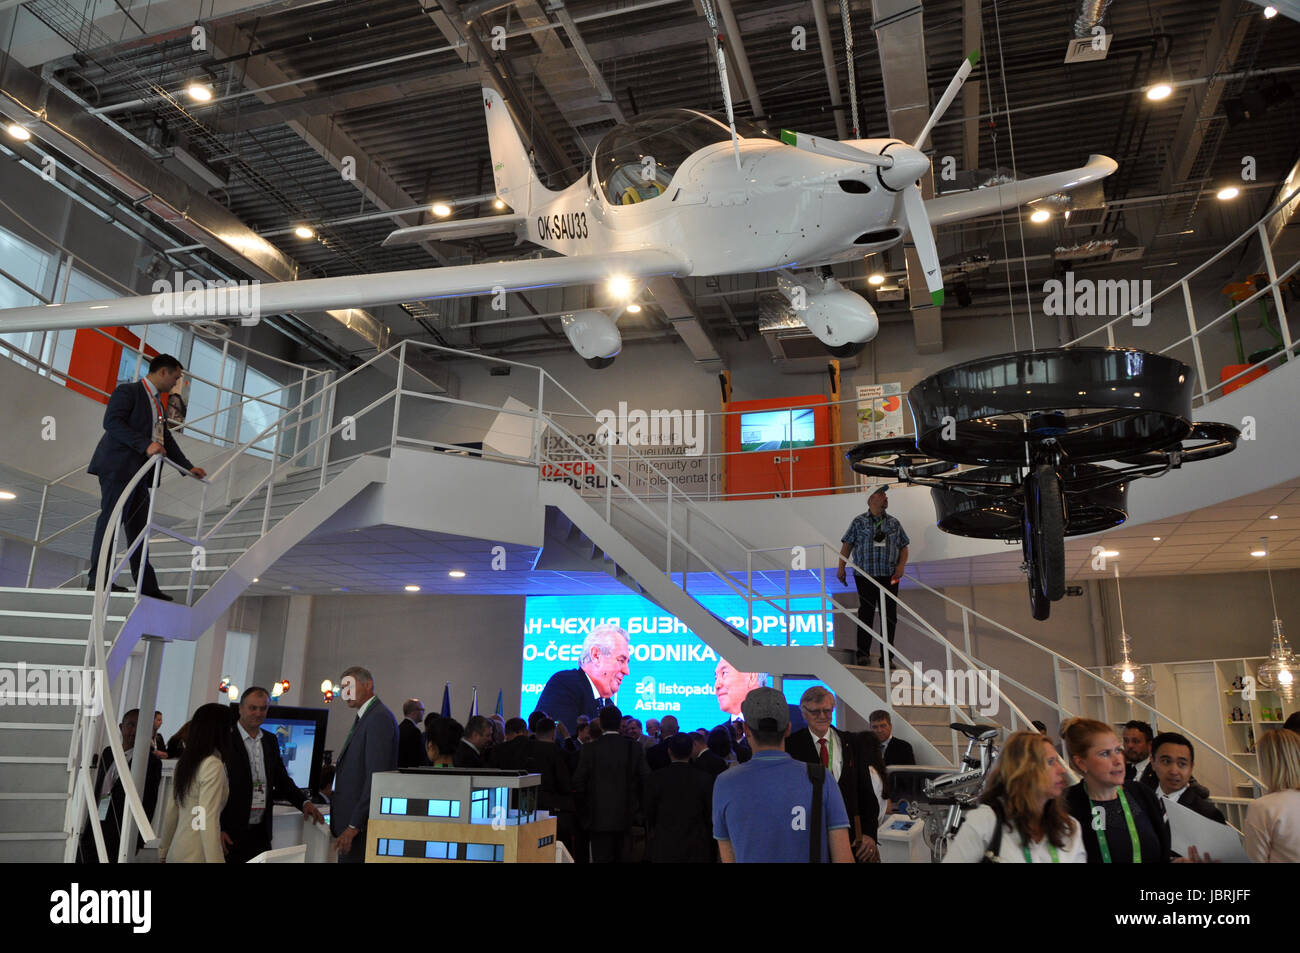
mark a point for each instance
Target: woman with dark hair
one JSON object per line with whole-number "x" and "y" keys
{"x": 1021, "y": 818}
{"x": 442, "y": 740}
{"x": 176, "y": 747}
{"x": 199, "y": 792}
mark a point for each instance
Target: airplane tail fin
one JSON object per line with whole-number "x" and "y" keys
{"x": 512, "y": 170}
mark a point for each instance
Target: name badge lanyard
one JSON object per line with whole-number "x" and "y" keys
{"x": 1051, "y": 849}
{"x": 1132, "y": 832}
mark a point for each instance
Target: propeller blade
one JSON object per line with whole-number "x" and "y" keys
{"x": 834, "y": 149}
{"x": 948, "y": 96}
{"x": 918, "y": 224}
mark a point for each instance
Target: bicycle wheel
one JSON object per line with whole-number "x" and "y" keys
{"x": 1045, "y": 526}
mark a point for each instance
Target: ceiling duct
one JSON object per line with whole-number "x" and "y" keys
{"x": 1090, "y": 14}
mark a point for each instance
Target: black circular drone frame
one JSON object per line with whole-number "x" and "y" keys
{"x": 1035, "y": 427}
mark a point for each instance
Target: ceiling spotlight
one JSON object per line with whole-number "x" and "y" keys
{"x": 1159, "y": 91}
{"x": 1270, "y": 13}
{"x": 1231, "y": 192}
{"x": 199, "y": 92}
{"x": 441, "y": 209}
{"x": 1273, "y": 516}
{"x": 619, "y": 287}
{"x": 1110, "y": 553}
{"x": 18, "y": 132}
{"x": 498, "y": 205}
{"x": 1155, "y": 539}
{"x": 412, "y": 588}
{"x": 876, "y": 279}
{"x": 457, "y": 574}
{"x": 1257, "y": 553}
{"x": 302, "y": 231}
{"x": 634, "y": 308}
{"x": 254, "y": 579}
{"x": 1040, "y": 215}
{"x": 8, "y": 495}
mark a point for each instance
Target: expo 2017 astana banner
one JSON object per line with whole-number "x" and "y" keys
{"x": 671, "y": 670}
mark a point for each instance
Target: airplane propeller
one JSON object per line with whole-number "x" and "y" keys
{"x": 899, "y": 167}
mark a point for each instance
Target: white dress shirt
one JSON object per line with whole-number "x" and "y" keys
{"x": 256, "y": 770}
{"x": 834, "y": 750}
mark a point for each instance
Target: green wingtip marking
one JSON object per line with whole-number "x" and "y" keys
{"x": 936, "y": 298}
{"x": 974, "y": 57}
{"x": 789, "y": 138}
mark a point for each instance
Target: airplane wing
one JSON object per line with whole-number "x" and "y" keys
{"x": 350, "y": 291}
{"x": 959, "y": 206}
{"x": 449, "y": 231}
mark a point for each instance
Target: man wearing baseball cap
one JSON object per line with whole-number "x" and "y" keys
{"x": 764, "y": 810}
{"x": 878, "y": 545}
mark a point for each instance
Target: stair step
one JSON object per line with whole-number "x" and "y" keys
{"x": 25, "y": 776}
{"x": 33, "y": 849}
{"x": 32, "y": 815}
{"x": 48, "y": 651}
{"x": 77, "y": 601}
{"x": 64, "y": 625}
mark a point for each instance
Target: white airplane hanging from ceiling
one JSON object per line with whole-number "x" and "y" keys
{"x": 671, "y": 193}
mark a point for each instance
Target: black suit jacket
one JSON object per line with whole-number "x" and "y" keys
{"x": 128, "y": 431}
{"x": 853, "y": 774}
{"x": 899, "y": 751}
{"x": 1140, "y": 797}
{"x": 546, "y": 758}
{"x": 566, "y": 696}
{"x": 710, "y": 763}
{"x": 410, "y": 746}
{"x": 1148, "y": 774}
{"x": 679, "y": 815}
{"x": 656, "y": 756}
{"x": 280, "y": 787}
{"x": 112, "y": 824}
{"x": 608, "y": 782}
{"x": 511, "y": 755}
{"x": 466, "y": 757}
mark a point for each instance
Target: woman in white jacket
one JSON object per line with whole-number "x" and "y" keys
{"x": 1023, "y": 791}
{"x": 192, "y": 830}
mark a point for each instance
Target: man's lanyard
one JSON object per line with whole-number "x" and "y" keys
{"x": 1051, "y": 849}
{"x": 1132, "y": 830}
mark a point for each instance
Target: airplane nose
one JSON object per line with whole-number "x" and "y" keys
{"x": 909, "y": 165}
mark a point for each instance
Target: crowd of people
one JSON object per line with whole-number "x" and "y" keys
{"x": 748, "y": 790}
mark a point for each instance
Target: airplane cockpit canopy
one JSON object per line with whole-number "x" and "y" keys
{"x": 635, "y": 162}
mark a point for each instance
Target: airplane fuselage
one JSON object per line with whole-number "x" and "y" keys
{"x": 784, "y": 208}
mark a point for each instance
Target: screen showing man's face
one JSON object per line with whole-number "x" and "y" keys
{"x": 607, "y": 669}
{"x": 731, "y": 686}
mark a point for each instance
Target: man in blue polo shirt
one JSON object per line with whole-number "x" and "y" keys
{"x": 762, "y": 810}
{"x": 878, "y": 545}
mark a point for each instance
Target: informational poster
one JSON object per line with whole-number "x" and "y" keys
{"x": 671, "y": 671}
{"x": 880, "y": 411}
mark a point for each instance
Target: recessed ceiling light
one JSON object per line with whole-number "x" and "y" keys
{"x": 1155, "y": 539}
{"x": 498, "y": 205}
{"x": 1159, "y": 91}
{"x": 457, "y": 574}
{"x": 254, "y": 579}
{"x": 1259, "y": 552}
{"x": 18, "y": 132}
{"x": 441, "y": 209}
{"x": 8, "y": 495}
{"x": 1231, "y": 192}
{"x": 1040, "y": 215}
{"x": 302, "y": 231}
{"x": 1270, "y": 13}
{"x": 619, "y": 287}
{"x": 1110, "y": 553}
{"x": 634, "y": 308}
{"x": 876, "y": 279}
{"x": 412, "y": 588}
{"x": 199, "y": 92}
{"x": 1272, "y": 516}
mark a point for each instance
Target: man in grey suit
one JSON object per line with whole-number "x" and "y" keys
{"x": 371, "y": 746}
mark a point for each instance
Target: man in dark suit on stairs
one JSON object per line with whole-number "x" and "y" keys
{"x": 257, "y": 779}
{"x": 135, "y": 428}
{"x": 371, "y": 746}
